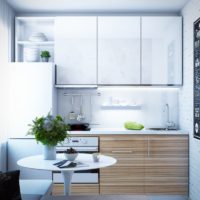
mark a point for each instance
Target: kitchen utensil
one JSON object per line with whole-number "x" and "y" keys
{"x": 72, "y": 114}
{"x": 80, "y": 116}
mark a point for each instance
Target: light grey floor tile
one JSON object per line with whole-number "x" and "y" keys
{"x": 166, "y": 197}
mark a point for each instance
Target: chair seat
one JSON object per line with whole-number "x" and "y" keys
{"x": 34, "y": 189}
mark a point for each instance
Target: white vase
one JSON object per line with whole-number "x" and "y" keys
{"x": 49, "y": 152}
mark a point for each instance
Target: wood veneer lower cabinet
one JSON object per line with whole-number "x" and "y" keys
{"x": 127, "y": 175}
{"x": 146, "y": 164}
{"x": 166, "y": 166}
{"x": 77, "y": 189}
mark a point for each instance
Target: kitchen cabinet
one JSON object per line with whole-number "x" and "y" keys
{"x": 118, "y": 50}
{"x": 76, "y": 50}
{"x": 166, "y": 166}
{"x": 77, "y": 189}
{"x": 31, "y": 94}
{"x": 146, "y": 164}
{"x": 127, "y": 176}
{"x": 27, "y": 47}
{"x": 161, "y": 50}
{"x": 105, "y": 50}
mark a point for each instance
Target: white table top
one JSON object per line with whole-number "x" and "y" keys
{"x": 38, "y": 162}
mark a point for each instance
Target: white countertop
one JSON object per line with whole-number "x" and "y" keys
{"x": 102, "y": 131}
{"x": 117, "y": 131}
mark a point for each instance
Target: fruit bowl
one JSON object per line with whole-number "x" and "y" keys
{"x": 71, "y": 154}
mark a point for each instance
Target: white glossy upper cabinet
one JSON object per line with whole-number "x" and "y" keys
{"x": 75, "y": 50}
{"x": 161, "y": 51}
{"x": 118, "y": 50}
{"x": 31, "y": 95}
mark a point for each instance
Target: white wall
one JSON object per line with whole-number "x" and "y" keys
{"x": 151, "y": 114}
{"x": 190, "y": 13}
{"x": 6, "y": 30}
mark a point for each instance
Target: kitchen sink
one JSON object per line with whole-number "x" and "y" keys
{"x": 161, "y": 129}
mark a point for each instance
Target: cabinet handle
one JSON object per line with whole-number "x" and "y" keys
{"x": 55, "y": 75}
{"x": 148, "y": 149}
{"x": 122, "y": 151}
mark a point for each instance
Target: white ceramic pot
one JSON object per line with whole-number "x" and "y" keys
{"x": 45, "y": 59}
{"x": 70, "y": 156}
{"x": 31, "y": 54}
{"x": 49, "y": 152}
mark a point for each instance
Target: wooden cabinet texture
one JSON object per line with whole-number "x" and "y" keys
{"x": 166, "y": 166}
{"x": 127, "y": 176}
{"x": 147, "y": 164}
{"x": 77, "y": 189}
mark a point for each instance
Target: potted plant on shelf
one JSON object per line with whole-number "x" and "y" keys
{"x": 49, "y": 131}
{"x": 45, "y": 55}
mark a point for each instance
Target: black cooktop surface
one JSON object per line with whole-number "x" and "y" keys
{"x": 79, "y": 127}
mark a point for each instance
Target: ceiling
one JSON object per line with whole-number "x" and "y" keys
{"x": 97, "y": 5}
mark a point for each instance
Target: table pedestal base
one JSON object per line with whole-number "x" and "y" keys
{"x": 67, "y": 177}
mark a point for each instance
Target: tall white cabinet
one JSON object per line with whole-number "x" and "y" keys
{"x": 161, "y": 51}
{"x": 75, "y": 50}
{"x": 31, "y": 95}
{"x": 118, "y": 50}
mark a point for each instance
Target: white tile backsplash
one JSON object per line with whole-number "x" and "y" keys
{"x": 191, "y": 12}
{"x": 151, "y": 100}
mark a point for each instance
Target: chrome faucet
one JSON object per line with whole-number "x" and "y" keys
{"x": 169, "y": 124}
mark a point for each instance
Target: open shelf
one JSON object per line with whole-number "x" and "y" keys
{"x": 121, "y": 107}
{"x": 25, "y": 28}
{"x": 45, "y": 43}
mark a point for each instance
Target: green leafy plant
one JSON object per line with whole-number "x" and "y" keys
{"x": 49, "y": 130}
{"x": 45, "y": 54}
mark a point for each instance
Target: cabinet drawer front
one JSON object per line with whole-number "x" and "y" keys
{"x": 77, "y": 189}
{"x": 125, "y": 153}
{"x": 122, "y": 176}
{"x": 167, "y": 189}
{"x": 127, "y": 159}
{"x": 168, "y": 146}
{"x": 124, "y": 144}
{"x": 151, "y": 162}
{"x": 121, "y": 189}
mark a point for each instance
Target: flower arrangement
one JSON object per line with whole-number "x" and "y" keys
{"x": 49, "y": 130}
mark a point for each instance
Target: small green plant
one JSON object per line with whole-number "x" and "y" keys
{"x": 45, "y": 54}
{"x": 49, "y": 130}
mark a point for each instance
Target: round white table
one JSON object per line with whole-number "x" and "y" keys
{"x": 38, "y": 162}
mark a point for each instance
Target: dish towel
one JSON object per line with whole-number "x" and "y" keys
{"x": 130, "y": 125}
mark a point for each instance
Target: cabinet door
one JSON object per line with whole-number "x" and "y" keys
{"x": 127, "y": 175}
{"x": 77, "y": 189}
{"x": 161, "y": 50}
{"x": 75, "y": 50}
{"x": 166, "y": 167}
{"x": 119, "y": 50}
{"x": 31, "y": 95}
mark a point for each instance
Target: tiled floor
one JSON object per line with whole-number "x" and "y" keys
{"x": 167, "y": 197}
{"x": 118, "y": 197}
